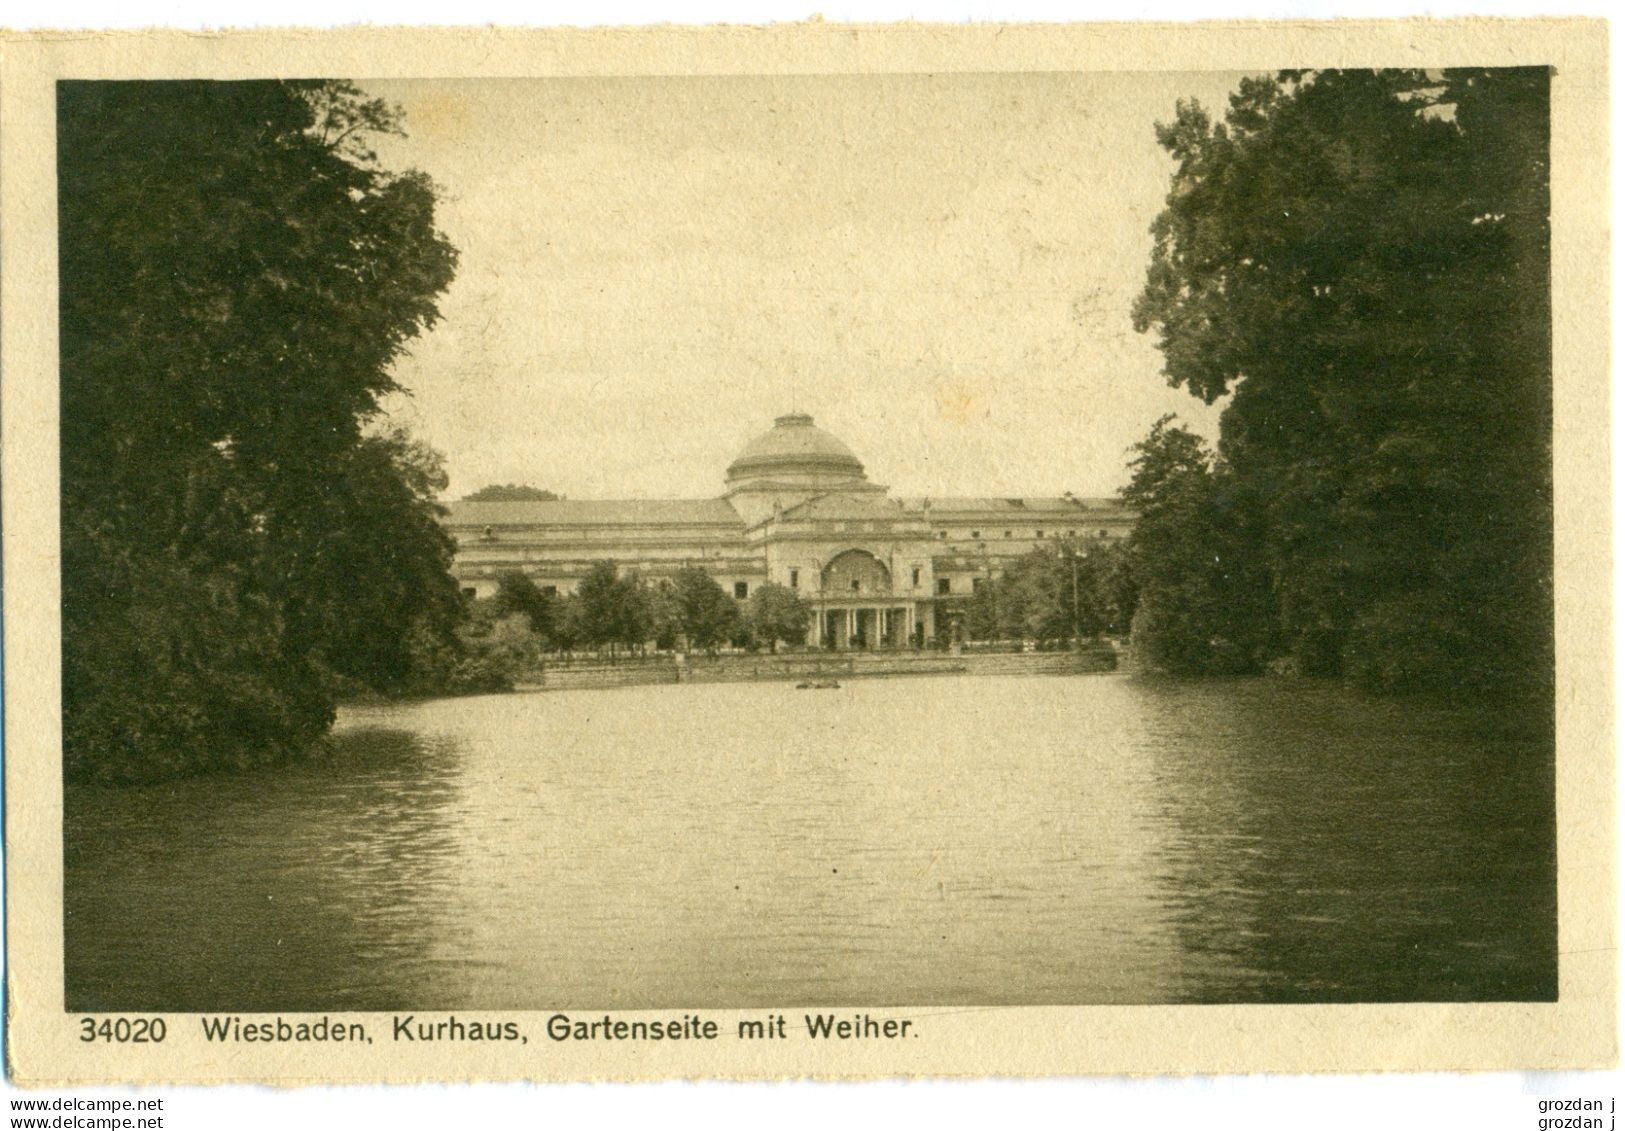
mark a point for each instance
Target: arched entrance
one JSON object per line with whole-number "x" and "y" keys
{"x": 857, "y": 572}
{"x": 857, "y": 606}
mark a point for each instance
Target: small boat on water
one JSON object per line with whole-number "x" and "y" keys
{"x": 817, "y": 684}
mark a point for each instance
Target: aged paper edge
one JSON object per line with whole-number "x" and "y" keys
{"x": 1577, "y": 1031}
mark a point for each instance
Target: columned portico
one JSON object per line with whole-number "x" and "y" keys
{"x": 864, "y": 627}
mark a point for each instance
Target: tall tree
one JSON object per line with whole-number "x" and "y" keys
{"x": 776, "y": 613}
{"x": 598, "y": 605}
{"x": 634, "y": 612}
{"x": 238, "y": 275}
{"x": 1360, "y": 260}
{"x": 982, "y": 619}
{"x": 1201, "y": 601}
{"x": 517, "y": 593}
{"x": 1060, "y": 591}
{"x": 380, "y": 561}
{"x": 1115, "y": 589}
{"x": 709, "y": 617}
{"x": 665, "y": 625}
{"x": 569, "y": 626}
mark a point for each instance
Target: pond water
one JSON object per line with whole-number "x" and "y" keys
{"x": 948, "y": 840}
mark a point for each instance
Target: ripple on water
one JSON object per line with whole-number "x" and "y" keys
{"x": 1024, "y": 840}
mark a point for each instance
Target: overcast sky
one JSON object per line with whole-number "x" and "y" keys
{"x": 939, "y": 268}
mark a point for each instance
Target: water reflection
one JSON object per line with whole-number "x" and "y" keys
{"x": 318, "y": 886}
{"x": 1038, "y": 840}
{"x": 1357, "y": 850}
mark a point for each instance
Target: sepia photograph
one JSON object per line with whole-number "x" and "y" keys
{"x": 1009, "y": 539}
{"x": 806, "y": 552}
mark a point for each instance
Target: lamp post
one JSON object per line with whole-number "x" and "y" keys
{"x": 1073, "y": 554}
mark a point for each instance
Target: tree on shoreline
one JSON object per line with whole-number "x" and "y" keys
{"x": 1054, "y": 593}
{"x": 517, "y": 593}
{"x": 1359, "y": 260}
{"x": 238, "y": 276}
{"x": 777, "y": 614}
{"x": 706, "y": 615}
{"x": 1200, "y": 598}
{"x": 383, "y": 561}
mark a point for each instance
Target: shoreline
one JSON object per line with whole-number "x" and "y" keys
{"x": 857, "y": 665}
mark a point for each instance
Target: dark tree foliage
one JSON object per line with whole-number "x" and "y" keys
{"x": 634, "y": 619}
{"x": 609, "y": 609}
{"x": 981, "y": 620}
{"x": 1034, "y": 598}
{"x": 1115, "y": 589}
{"x": 237, "y": 277}
{"x": 706, "y": 615}
{"x": 569, "y": 631}
{"x": 776, "y": 613}
{"x": 1360, "y": 260}
{"x": 511, "y": 493}
{"x": 665, "y": 626}
{"x": 1200, "y": 601}
{"x": 1053, "y": 594}
{"x": 375, "y": 559}
{"x": 597, "y": 605}
{"x": 517, "y": 593}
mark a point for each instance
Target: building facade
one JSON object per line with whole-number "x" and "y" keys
{"x": 798, "y": 510}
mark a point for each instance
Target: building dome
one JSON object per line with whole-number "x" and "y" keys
{"x": 795, "y": 451}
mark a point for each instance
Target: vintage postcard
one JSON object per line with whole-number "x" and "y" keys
{"x": 807, "y": 551}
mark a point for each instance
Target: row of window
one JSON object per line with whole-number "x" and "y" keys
{"x": 489, "y": 535}
{"x": 742, "y": 588}
{"x": 977, "y": 584}
{"x": 795, "y": 582}
{"x": 943, "y": 588}
{"x": 976, "y": 535}
{"x": 942, "y": 584}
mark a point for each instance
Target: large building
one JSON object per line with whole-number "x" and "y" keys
{"x": 798, "y": 510}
